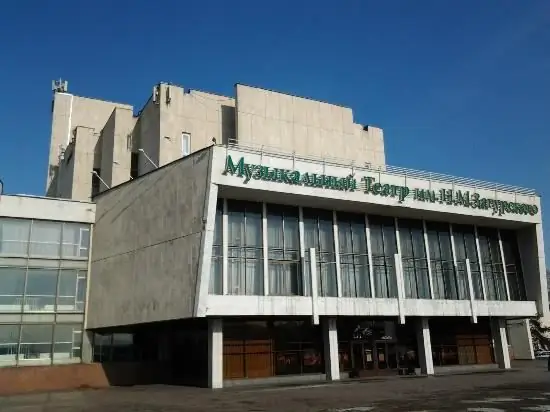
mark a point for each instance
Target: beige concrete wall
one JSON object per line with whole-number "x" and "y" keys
{"x": 62, "y": 185}
{"x": 146, "y": 136}
{"x": 147, "y": 245}
{"x": 307, "y": 127}
{"x": 531, "y": 249}
{"x": 85, "y": 142}
{"x": 204, "y": 116}
{"x": 116, "y": 147}
{"x": 30, "y": 207}
{"x": 70, "y": 112}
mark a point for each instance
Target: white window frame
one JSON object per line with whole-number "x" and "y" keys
{"x": 185, "y": 144}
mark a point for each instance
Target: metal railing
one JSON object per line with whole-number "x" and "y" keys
{"x": 252, "y": 147}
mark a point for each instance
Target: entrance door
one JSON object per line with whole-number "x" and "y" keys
{"x": 386, "y": 355}
{"x": 362, "y": 357}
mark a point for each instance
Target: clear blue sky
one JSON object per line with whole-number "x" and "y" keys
{"x": 459, "y": 87}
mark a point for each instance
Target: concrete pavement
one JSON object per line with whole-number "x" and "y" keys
{"x": 526, "y": 387}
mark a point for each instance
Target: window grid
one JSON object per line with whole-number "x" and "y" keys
{"x": 216, "y": 267}
{"x": 319, "y": 234}
{"x": 40, "y": 302}
{"x": 441, "y": 259}
{"x": 414, "y": 259}
{"x": 465, "y": 248}
{"x": 493, "y": 270}
{"x": 245, "y": 251}
{"x": 441, "y": 275}
{"x": 384, "y": 247}
{"x": 35, "y": 238}
{"x": 23, "y": 347}
{"x": 512, "y": 261}
{"x": 354, "y": 258}
{"x": 283, "y": 236}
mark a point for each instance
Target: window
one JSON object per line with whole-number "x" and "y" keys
{"x": 441, "y": 260}
{"x": 45, "y": 239}
{"x": 493, "y": 271}
{"x": 9, "y": 340}
{"x": 40, "y": 290}
{"x": 115, "y": 347}
{"x": 319, "y": 234}
{"x": 245, "y": 263}
{"x": 71, "y": 293}
{"x": 12, "y": 286}
{"x": 134, "y": 165}
{"x": 512, "y": 260}
{"x": 465, "y": 247}
{"x": 185, "y": 144}
{"x": 216, "y": 268}
{"x": 14, "y": 237}
{"x": 384, "y": 247}
{"x": 283, "y": 240}
{"x": 414, "y": 259}
{"x": 36, "y": 343}
{"x": 123, "y": 347}
{"x": 67, "y": 343}
{"x": 102, "y": 347}
{"x": 76, "y": 240}
{"x": 354, "y": 259}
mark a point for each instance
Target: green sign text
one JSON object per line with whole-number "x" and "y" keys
{"x": 349, "y": 183}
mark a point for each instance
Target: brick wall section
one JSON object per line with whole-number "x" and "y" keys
{"x": 29, "y": 379}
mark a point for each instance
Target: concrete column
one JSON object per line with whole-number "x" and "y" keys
{"x": 427, "y": 246}
{"x": 314, "y": 286}
{"x": 225, "y": 248}
{"x": 478, "y": 249}
{"x": 87, "y": 347}
{"x": 369, "y": 252}
{"x": 521, "y": 340}
{"x": 305, "y": 283}
{"x": 504, "y": 272}
{"x": 336, "y": 235}
{"x": 265, "y": 249}
{"x": 400, "y": 288}
{"x": 215, "y": 353}
{"x": 500, "y": 343}
{"x": 424, "y": 346}
{"x": 330, "y": 343}
{"x": 471, "y": 291}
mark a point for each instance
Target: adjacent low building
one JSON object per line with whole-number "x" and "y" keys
{"x": 44, "y": 272}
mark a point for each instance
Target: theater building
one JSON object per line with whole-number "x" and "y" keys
{"x": 245, "y": 263}
{"x": 215, "y": 241}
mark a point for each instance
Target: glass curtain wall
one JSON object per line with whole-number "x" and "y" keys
{"x": 493, "y": 270}
{"x": 319, "y": 234}
{"x": 43, "y": 270}
{"x": 465, "y": 247}
{"x": 354, "y": 259}
{"x": 414, "y": 259}
{"x": 35, "y": 287}
{"x": 441, "y": 259}
{"x": 245, "y": 260}
{"x": 384, "y": 247}
{"x": 216, "y": 267}
{"x": 283, "y": 240}
{"x": 514, "y": 271}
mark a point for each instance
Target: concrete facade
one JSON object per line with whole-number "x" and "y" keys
{"x": 89, "y": 134}
{"x": 158, "y": 178}
{"x": 43, "y": 208}
{"x": 161, "y": 227}
{"x": 147, "y": 250}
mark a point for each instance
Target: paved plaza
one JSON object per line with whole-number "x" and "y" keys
{"x": 525, "y": 389}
